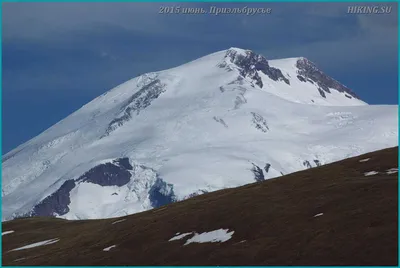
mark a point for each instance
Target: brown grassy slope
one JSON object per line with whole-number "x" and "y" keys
{"x": 273, "y": 221}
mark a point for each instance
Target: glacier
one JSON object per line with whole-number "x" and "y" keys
{"x": 224, "y": 120}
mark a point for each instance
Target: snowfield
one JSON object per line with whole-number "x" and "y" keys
{"x": 221, "y": 235}
{"x": 7, "y": 232}
{"x": 224, "y": 120}
{"x": 38, "y": 244}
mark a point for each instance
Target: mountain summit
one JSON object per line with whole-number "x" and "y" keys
{"x": 250, "y": 64}
{"x": 224, "y": 120}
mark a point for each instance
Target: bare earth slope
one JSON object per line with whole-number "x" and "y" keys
{"x": 275, "y": 222}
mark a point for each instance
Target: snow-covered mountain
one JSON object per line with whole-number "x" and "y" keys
{"x": 224, "y": 120}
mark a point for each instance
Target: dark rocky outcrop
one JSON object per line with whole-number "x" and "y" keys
{"x": 258, "y": 173}
{"x": 137, "y": 102}
{"x": 250, "y": 63}
{"x": 309, "y": 70}
{"x": 240, "y": 98}
{"x": 267, "y": 167}
{"x": 197, "y": 193}
{"x": 322, "y": 93}
{"x": 307, "y": 164}
{"x": 238, "y": 81}
{"x": 301, "y": 78}
{"x": 221, "y": 121}
{"x": 259, "y": 122}
{"x": 56, "y": 203}
{"x": 123, "y": 162}
{"x": 161, "y": 193}
{"x": 109, "y": 174}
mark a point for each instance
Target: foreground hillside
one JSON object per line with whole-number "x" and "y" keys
{"x": 344, "y": 213}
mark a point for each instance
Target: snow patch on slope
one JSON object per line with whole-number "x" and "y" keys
{"x": 221, "y": 235}
{"x": 7, "y": 232}
{"x": 37, "y": 244}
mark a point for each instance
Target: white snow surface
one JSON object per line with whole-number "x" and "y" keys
{"x": 179, "y": 236}
{"x": 38, "y": 244}
{"x": 371, "y": 173}
{"x": 118, "y": 221}
{"x": 392, "y": 171}
{"x": 109, "y": 248}
{"x": 364, "y": 160}
{"x": 202, "y": 133}
{"x": 221, "y": 235}
{"x": 7, "y": 232}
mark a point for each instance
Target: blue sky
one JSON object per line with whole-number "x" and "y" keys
{"x": 59, "y": 56}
